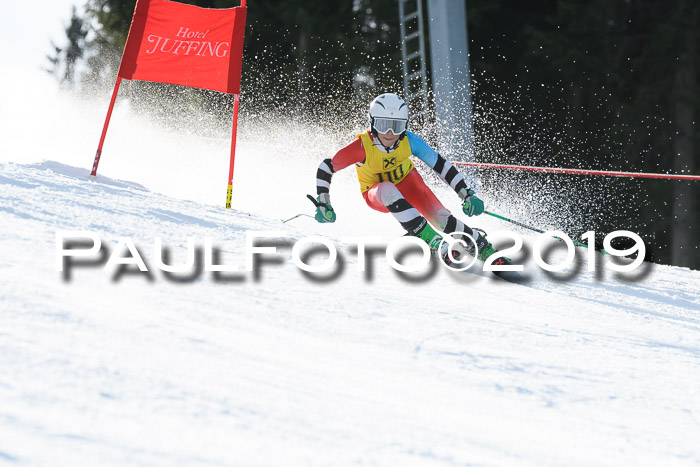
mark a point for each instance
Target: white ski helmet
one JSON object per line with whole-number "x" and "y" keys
{"x": 388, "y": 112}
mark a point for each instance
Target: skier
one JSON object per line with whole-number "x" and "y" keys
{"x": 389, "y": 182}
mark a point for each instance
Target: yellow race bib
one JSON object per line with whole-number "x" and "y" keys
{"x": 380, "y": 166}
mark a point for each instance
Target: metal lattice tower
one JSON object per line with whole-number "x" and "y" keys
{"x": 415, "y": 82}
{"x": 451, "y": 123}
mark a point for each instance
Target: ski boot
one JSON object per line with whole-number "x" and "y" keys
{"x": 432, "y": 238}
{"x": 485, "y": 249}
{"x": 441, "y": 249}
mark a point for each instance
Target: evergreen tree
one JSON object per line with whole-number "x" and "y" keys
{"x": 619, "y": 80}
{"x": 67, "y": 58}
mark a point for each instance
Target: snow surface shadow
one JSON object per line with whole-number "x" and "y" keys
{"x": 106, "y": 183}
{"x": 22, "y": 215}
{"x": 504, "y": 373}
{"x": 176, "y": 217}
{"x": 664, "y": 345}
{"x": 681, "y": 301}
{"x": 84, "y": 174}
{"x": 624, "y": 303}
{"x": 6, "y": 457}
{"x": 21, "y": 184}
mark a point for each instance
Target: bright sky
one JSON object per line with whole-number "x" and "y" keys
{"x": 26, "y": 29}
{"x": 28, "y": 93}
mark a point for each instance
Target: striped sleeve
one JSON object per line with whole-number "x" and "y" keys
{"x": 353, "y": 153}
{"x": 450, "y": 175}
{"x": 445, "y": 170}
{"x": 323, "y": 177}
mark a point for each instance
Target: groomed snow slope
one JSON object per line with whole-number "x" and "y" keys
{"x": 279, "y": 369}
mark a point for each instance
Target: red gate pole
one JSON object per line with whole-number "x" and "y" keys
{"x": 233, "y": 150}
{"x": 104, "y": 129}
{"x": 579, "y": 171}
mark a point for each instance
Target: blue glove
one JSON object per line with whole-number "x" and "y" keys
{"x": 324, "y": 210}
{"x": 472, "y": 206}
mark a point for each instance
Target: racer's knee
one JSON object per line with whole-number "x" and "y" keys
{"x": 440, "y": 219}
{"x": 387, "y": 193}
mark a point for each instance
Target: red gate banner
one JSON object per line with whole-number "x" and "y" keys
{"x": 182, "y": 44}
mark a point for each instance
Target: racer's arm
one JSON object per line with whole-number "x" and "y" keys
{"x": 445, "y": 170}
{"x": 351, "y": 154}
{"x": 471, "y": 204}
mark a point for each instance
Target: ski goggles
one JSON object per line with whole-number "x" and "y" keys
{"x": 383, "y": 125}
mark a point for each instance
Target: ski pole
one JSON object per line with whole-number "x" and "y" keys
{"x": 520, "y": 224}
{"x": 316, "y": 203}
{"x": 514, "y": 222}
{"x": 294, "y": 217}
